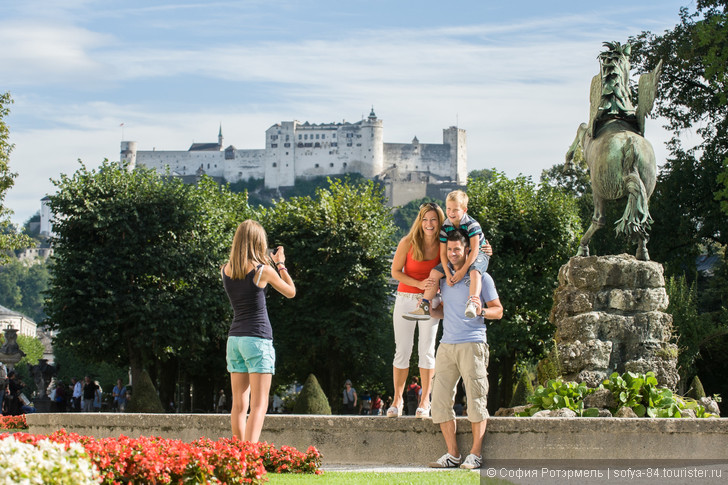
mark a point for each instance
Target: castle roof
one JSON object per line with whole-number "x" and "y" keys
{"x": 205, "y": 147}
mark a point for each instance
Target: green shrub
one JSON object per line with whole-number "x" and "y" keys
{"x": 549, "y": 367}
{"x": 558, "y": 394}
{"x": 524, "y": 389}
{"x": 311, "y": 399}
{"x": 696, "y": 390}
{"x": 639, "y": 392}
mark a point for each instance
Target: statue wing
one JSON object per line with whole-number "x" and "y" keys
{"x": 647, "y": 92}
{"x": 595, "y": 99}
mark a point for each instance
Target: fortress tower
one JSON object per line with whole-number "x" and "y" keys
{"x": 128, "y": 154}
{"x": 455, "y": 137}
{"x": 372, "y": 145}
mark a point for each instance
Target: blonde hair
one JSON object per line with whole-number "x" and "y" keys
{"x": 250, "y": 245}
{"x": 416, "y": 236}
{"x": 459, "y": 197}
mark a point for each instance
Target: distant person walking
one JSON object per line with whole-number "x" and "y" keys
{"x": 349, "y": 398}
{"x": 89, "y": 394}
{"x": 76, "y": 395}
{"x": 250, "y": 354}
{"x": 119, "y": 393}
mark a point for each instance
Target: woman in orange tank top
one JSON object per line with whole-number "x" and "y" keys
{"x": 417, "y": 253}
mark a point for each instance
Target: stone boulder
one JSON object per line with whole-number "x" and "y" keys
{"x": 609, "y": 315}
{"x": 507, "y": 412}
{"x": 625, "y": 412}
{"x": 600, "y": 399}
{"x": 710, "y": 405}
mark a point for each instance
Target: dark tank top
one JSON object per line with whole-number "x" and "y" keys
{"x": 250, "y": 315}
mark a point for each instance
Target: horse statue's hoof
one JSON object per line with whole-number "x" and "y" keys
{"x": 642, "y": 255}
{"x": 583, "y": 251}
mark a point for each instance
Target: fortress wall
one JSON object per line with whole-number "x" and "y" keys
{"x": 244, "y": 165}
{"x": 419, "y": 157}
{"x": 183, "y": 162}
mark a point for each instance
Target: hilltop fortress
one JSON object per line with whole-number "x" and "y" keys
{"x": 295, "y": 150}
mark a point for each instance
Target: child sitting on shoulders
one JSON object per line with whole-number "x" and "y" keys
{"x": 456, "y": 206}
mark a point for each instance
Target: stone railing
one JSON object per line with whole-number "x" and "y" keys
{"x": 366, "y": 440}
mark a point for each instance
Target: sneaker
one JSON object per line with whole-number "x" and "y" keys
{"x": 394, "y": 412}
{"x": 470, "y": 310}
{"x": 421, "y": 313}
{"x": 472, "y": 461}
{"x": 446, "y": 461}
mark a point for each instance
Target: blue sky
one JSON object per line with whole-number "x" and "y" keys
{"x": 515, "y": 75}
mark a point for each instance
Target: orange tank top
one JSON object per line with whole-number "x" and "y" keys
{"x": 418, "y": 270}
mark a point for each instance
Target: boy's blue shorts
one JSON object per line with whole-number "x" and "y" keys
{"x": 250, "y": 355}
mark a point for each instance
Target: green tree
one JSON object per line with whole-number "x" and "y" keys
{"x": 9, "y": 237}
{"x": 10, "y": 295}
{"x": 692, "y": 97}
{"x": 534, "y": 231}
{"x": 339, "y": 324}
{"x": 33, "y": 349}
{"x": 33, "y": 286}
{"x": 22, "y": 287}
{"x": 33, "y": 232}
{"x": 691, "y": 198}
{"x": 136, "y": 277}
{"x": 691, "y": 329}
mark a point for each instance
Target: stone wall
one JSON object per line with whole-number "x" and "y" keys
{"x": 408, "y": 440}
{"x": 609, "y": 314}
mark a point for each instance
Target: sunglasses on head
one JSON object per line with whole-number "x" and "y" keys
{"x": 429, "y": 205}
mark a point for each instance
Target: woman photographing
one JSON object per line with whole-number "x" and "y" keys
{"x": 250, "y": 355}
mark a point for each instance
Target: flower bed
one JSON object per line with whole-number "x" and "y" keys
{"x": 161, "y": 461}
{"x": 13, "y": 422}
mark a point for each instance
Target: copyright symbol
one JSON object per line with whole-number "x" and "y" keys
{"x": 490, "y": 472}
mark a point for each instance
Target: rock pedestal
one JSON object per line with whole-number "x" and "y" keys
{"x": 609, "y": 314}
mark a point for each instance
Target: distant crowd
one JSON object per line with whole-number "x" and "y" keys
{"x": 77, "y": 396}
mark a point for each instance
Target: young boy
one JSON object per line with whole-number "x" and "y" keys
{"x": 476, "y": 264}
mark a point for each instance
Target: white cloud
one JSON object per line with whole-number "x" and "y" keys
{"x": 519, "y": 89}
{"x": 38, "y": 53}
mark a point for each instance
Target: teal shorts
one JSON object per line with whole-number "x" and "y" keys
{"x": 250, "y": 355}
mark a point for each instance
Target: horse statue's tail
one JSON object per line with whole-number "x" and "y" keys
{"x": 636, "y": 220}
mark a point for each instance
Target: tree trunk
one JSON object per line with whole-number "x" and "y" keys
{"x": 168, "y": 382}
{"x": 506, "y": 394}
{"x": 144, "y": 397}
{"x": 494, "y": 377}
{"x": 204, "y": 394}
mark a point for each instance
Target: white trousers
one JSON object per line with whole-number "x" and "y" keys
{"x": 404, "y": 333}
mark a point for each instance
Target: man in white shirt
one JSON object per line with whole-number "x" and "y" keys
{"x": 77, "y": 393}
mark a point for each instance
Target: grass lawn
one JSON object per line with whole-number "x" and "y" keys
{"x": 454, "y": 477}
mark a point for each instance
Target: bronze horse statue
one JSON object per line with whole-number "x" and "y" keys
{"x": 621, "y": 161}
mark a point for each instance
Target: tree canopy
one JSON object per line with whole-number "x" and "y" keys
{"x": 339, "y": 325}
{"x": 533, "y": 231}
{"x": 692, "y": 98}
{"x": 22, "y": 287}
{"x": 136, "y": 276}
{"x": 9, "y": 237}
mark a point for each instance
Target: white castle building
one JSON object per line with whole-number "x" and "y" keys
{"x": 296, "y": 150}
